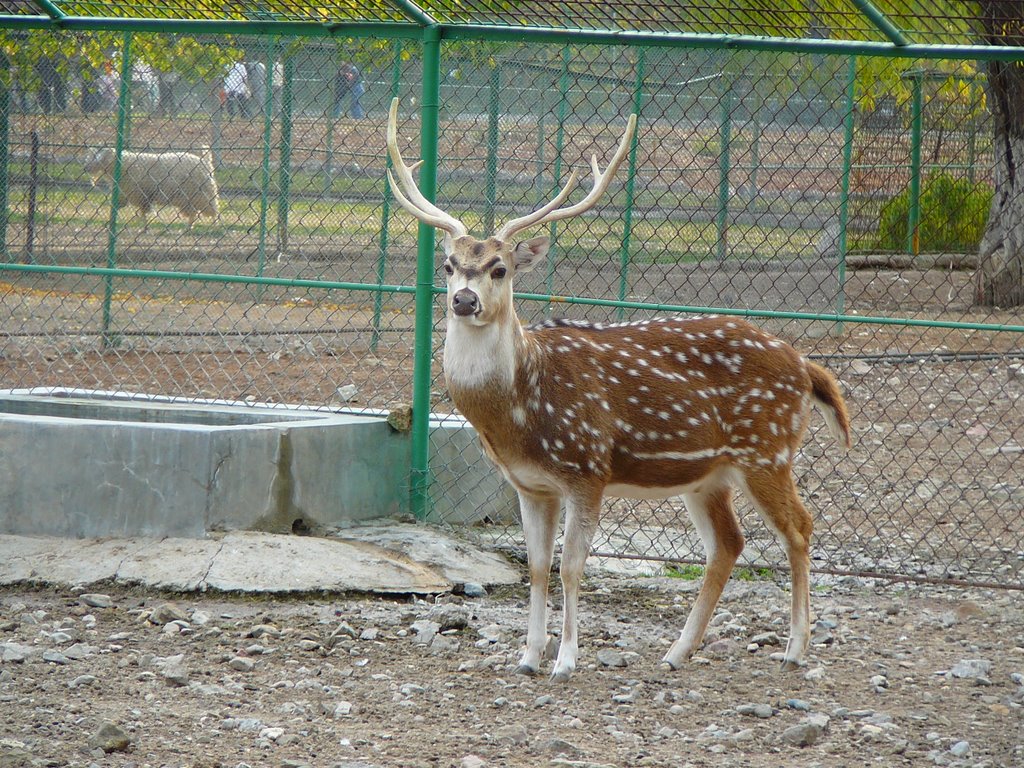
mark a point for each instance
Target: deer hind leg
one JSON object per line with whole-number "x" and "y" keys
{"x": 540, "y": 521}
{"x": 713, "y": 516}
{"x": 581, "y": 516}
{"x": 775, "y": 497}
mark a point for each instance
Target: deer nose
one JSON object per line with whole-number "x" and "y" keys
{"x": 465, "y": 303}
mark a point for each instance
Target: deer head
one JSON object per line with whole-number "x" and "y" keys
{"x": 480, "y": 272}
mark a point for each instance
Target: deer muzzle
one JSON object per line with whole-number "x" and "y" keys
{"x": 465, "y": 303}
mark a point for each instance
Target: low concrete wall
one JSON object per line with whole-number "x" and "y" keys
{"x": 94, "y": 465}
{"x": 465, "y": 487}
{"x": 75, "y": 463}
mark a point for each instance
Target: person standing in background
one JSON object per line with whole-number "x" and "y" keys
{"x": 236, "y": 90}
{"x": 277, "y": 84}
{"x": 349, "y": 83}
{"x": 256, "y": 74}
{"x": 53, "y": 89}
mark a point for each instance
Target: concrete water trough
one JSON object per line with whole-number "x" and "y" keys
{"x": 82, "y": 463}
{"x": 87, "y": 464}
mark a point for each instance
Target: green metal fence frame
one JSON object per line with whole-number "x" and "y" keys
{"x": 431, "y": 35}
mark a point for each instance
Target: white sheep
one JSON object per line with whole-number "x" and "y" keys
{"x": 148, "y": 179}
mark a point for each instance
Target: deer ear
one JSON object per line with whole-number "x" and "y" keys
{"x": 447, "y": 243}
{"x": 530, "y": 253}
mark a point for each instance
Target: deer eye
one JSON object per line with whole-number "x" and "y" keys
{"x": 499, "y": 273}
{"x": 448, "y": 268}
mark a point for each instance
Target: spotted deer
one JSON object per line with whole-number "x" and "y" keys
{"x": 573, "y": 411}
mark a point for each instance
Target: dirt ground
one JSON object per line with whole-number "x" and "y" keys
{"x": 898, "y": 675}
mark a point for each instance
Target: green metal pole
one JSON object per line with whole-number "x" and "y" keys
{"x": 881, "y": 21}
{"x": 124, "y": 108}
{"x": 539, "y": 189}
{"x": 217, "y": 133}
{"x": 724, "y": 131}
{"x": 285, "y": 171}
{"x": 385, "y": 213}
{"x": 627, "y": 224}
{"x": 563, "y": 108}
{"x": 914, "y": 215}
{"x": 51, "y": 9}
{"x": 332, "y": 121}
{"x": 755, "y": 155}
{"x": 419, "y": 496}
{"x": 261, "y": 250}
{"x": 662, "y": 308}
{"x": 972, "y": 135}
{"x": 844, "y": 191}
{"x": 491, "y": 174}
{"x": 5, "y": 140}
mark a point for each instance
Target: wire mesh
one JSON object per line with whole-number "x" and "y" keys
{"x": 751, "y": 189}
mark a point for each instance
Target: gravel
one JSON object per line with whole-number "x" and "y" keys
{"x": 355, "y": 681}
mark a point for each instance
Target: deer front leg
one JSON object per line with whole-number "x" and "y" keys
{"x": 581, "y": 516}
{"x": 540, "y": 520}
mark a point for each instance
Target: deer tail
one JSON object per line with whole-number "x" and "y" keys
{"x": 828, "y": 398}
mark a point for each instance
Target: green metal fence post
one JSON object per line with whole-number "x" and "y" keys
{"x": 563, "y": 108}
{"x": 5, "y": 140}
{"x": 491, "y": 174}
{"x": 385, "y": 211}
{"x": 627, "y": 223}
{"x": 724, "y": 134}
{"x": 261, "y": 250}
{"x": 538, "y": 182}
{"x": 124, "y": 108}
{"x": 844, "y": 191}
{"x": 285, "y": 171}
{"x": 332, "y": 122}
{"x": 755, "y": 151}
{"x": 972, "y": 133}
{"x": 914, "y": 215}
{"x": 419, "y": 496}
{"x": 217, "y": 131}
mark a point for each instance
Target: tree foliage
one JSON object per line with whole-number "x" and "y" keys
{"x": 86, "y": 53}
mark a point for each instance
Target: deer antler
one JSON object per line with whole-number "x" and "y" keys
{"x": 549, "y": 213}
{"x": 408, "y": 194}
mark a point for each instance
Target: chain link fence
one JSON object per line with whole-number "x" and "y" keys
{"x": 780, "y": 185}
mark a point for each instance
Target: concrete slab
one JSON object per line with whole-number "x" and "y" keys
{"x": 305, "y": 563}
{"x": 458, "y": 560}
{"x": 72, "y": 562}
{"x": 377, "y": 560}
{"x": 179, "y": 565}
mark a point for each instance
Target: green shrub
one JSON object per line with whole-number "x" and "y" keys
{"x": 953, "y": 216}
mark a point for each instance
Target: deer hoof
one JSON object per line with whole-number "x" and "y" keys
{"x": 526, "y": 669}
{"x": 675, "y": 660}
{"x": 789, "y": 665}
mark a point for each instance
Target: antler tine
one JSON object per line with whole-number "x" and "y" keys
{"x": 601, "y": 181}
{"x": 511, "y": 227}
{"x": 441, "y": 222}
{"x": 407, "y": 193}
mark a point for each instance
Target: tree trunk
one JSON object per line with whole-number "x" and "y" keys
{"x": 999, "y": 280}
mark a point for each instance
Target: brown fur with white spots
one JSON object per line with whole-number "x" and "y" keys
{"x": 572, "y": 411}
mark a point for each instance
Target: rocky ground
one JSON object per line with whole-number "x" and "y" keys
{"x": 899, "y": 675}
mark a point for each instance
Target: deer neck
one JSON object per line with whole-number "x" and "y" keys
{"x": 482, "y": 359}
